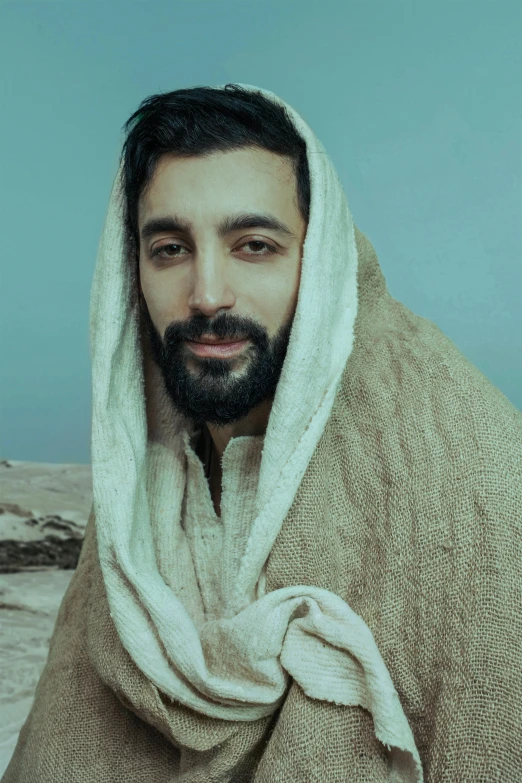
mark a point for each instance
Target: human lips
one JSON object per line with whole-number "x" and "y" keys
{"x": 216, "y": 347}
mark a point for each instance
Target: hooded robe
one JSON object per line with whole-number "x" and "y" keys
{"x": 354, "y": 614}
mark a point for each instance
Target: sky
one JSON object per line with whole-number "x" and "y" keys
{"x": 418, "y": 105}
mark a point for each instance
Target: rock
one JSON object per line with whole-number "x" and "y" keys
{"x": 52, "y": 551}
{"x": 56, "y": 551}
{"x": 14, "y": 508}
{"x": 44, "y": 509}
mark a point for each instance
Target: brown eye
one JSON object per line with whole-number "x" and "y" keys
{"x": 160, "y": 249}
{"x": 271, "y": 248}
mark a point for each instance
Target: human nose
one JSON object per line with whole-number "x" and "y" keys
{"x": 211, "y": 287}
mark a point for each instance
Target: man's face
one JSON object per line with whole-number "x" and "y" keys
{"x": 197, "y": 282}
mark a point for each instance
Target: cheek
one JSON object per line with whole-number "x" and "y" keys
{"x": 155, "y": 291}
{"x": 275, "y": 300}
{"x": 151, "y": 298}
{"x": 289, "y": 290}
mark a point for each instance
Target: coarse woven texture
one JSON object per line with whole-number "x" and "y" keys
{"x": 404, "y": 530}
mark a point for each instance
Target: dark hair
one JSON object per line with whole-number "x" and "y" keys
{"x": 200, "y": 121}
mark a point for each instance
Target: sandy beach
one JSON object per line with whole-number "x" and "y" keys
{"x": 36, "y": 500}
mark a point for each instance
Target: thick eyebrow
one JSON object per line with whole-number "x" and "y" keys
{"x": 226, "y": 226}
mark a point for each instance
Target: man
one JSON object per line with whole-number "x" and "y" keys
{"x": 302, "y": 561}
{"x": 204, "y": 284}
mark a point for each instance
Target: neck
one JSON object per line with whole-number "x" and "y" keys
{"x": 254, "y": 424}
{"x": 212, "y": 464}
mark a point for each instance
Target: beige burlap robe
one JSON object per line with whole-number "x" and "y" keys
{"x": 400, "y": 553}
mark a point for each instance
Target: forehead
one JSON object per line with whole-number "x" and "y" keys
{"x": 239, "y": 179}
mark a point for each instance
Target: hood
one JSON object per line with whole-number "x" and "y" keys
{"x": 138, "y": 470}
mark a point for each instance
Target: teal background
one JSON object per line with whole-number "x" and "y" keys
{"x": 417, "y": 103}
